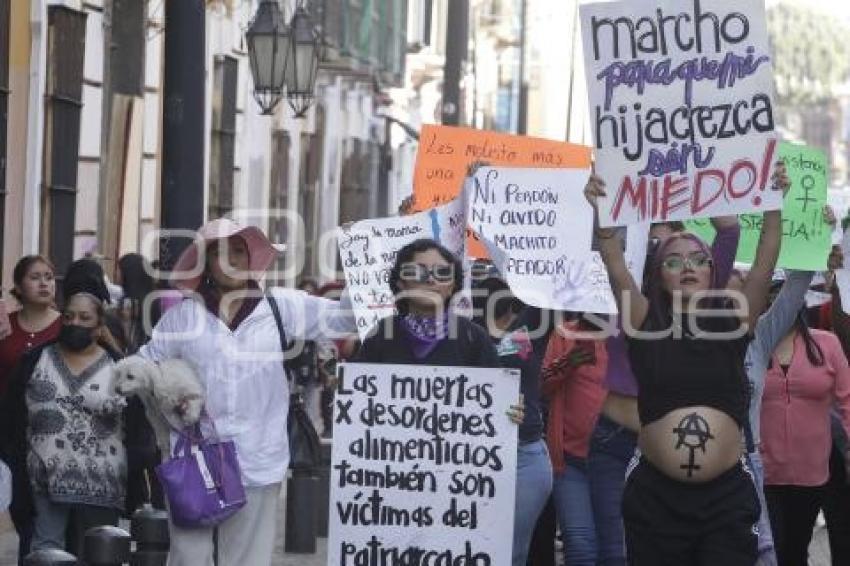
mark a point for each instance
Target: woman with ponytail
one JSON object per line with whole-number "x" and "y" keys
{"x": 37, "y": 321}
{"x": 808, "y": 375}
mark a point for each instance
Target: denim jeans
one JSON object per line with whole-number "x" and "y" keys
{"x": 573, "y": 505}
{"x": 533, "y": 486}
{"x": 611, "y": 449}
{"x": 767, "y": 552}
{"x": 62, "y": 526}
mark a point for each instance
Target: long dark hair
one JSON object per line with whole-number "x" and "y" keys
{"x": 136, "y": 277}
{"x": 493, "y": 295}
{"x": 660, "y": 306}
{"x": 137, "y": 283}
{"x": 813, "y": 349}
{"x": 405, "y": 256}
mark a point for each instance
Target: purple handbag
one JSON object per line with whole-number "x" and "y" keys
{"x": 202, "y": 481}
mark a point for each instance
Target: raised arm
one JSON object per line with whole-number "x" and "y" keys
{"x": 631, "y": 303}
{"x": 775, "y": 323}
{"x": 725, "y": 247}
{"x": 757, "y": 283}
{"x": 315, "y": 318}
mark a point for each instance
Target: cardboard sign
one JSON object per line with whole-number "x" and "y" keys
{"x": 446, "y": 152}
{"x": 423, "y": 466}
{"x": 681, "y": 108}
{"x": 537, "y": 226}
{"x": 806, "y": 237}
{"x": 368, "y": 252}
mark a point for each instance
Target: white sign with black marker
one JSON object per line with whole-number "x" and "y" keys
{"x": 423, "y": 466}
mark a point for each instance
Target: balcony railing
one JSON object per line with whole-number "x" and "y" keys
{"x": 364, "y": 36}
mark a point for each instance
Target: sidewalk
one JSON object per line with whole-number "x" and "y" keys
{"x": 9, "y": 546}
{"x": 819, "y": 551}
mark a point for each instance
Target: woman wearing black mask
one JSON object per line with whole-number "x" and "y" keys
{"x": 62, "y": 432}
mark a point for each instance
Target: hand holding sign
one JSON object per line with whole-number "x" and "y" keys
{"x": 801, "y": 175}
{"x": 781, "y": 181}
{"x": 593, "y": 191}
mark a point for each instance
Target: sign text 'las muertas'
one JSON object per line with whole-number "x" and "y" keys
{"x": 681, "y": 108}
{"x": 423, "y": 466}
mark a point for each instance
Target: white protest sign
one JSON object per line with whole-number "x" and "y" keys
{"x": 596, "y": 288}
{"x": 537, "y": 228}
{"x": 368, "y": 251}
{"x": 423, "y": 466}
{"x": 681, "y": 108}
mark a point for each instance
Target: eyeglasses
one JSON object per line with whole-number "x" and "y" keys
{"x": 677, "y": 263}
{"x": 418, "y": 273}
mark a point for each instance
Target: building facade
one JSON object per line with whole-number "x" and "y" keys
{"x": 85, "y": 111}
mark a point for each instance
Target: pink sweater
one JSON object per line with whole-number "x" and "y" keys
{"x": 796, "y": 439}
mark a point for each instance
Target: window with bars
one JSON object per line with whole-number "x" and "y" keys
{"x": 372, "y": 33}
{"x": 223, "y": 136}
{"x": 311, "y": 167}
{"x": 66, "y": 37}
{"x": 279, "y": 196}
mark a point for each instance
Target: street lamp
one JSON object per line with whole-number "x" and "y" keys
{"x": 269, "y": 52}
{"x": 303, "y": 66}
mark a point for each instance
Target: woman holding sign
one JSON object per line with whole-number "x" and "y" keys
{"x": 425, "y": 278}
{"x": 689, "y": 497}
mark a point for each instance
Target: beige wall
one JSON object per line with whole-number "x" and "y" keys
{"x": 19, "y": 67}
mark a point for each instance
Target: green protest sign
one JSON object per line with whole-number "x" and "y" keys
{"x": 806, "y": 238}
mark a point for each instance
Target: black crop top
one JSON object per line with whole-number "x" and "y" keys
{"x": 690, "y": 371}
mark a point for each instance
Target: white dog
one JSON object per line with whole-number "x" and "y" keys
{"x": 170, "y": 391}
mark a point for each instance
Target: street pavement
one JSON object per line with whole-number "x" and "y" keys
{"x": 819, "y": 551}
{"x": 9, "y": 546}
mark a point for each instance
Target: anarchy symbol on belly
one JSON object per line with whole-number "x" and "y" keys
{"x": 694, "y": 433}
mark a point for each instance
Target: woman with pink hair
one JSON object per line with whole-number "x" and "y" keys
{"x": 689, "y": 496}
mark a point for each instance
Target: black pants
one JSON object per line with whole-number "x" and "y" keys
{"x": 542, "y": 551}
{"x": 836, "y": 509}
{"x": 793, "y": 510}
{"x": 670, "y": 523}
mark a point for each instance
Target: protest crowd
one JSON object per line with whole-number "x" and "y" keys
{"x": 625, "y": 359}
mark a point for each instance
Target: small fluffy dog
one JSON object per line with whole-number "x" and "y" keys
{"x": 170, "y": 391}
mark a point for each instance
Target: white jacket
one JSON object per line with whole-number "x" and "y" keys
{"x": 242, "y": 371}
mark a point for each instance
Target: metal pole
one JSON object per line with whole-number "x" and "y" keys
{"x": 182, "y": 187}
{"x": 572, "y": 72}
{"x": 457, "y": 34}
{"x": 302, "y": 492}
{"x": 522, "y": 110}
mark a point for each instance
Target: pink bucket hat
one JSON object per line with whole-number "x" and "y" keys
{"x": 187, "y": 273}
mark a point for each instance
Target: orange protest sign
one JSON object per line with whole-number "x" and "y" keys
{"x": 446, "y": 152}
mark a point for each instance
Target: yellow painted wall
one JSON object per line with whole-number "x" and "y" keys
{"x": 19, "y": 69}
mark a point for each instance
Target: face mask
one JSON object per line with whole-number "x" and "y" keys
{"x": 76, "y": 338}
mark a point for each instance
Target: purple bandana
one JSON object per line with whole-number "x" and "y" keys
{"x": 424, "y": 333}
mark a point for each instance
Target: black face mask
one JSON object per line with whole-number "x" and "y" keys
{"x": 76, "y": 338}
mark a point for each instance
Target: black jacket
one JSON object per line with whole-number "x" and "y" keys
{"x": 139, "y": 441}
